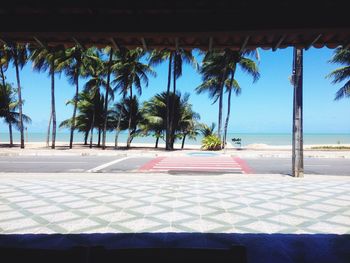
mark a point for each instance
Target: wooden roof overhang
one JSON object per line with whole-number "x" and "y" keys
{"x": 203, "y": 24}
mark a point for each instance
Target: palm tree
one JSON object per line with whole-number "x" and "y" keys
{"x": 206, "y": 130}
{"x": 188, "y": 123}
{"x": 3, "y": 68}
{"x": 131, "y": 72}
{"x": 341, "y": 56}
{"x": 127, "y": 109}
{"x": 218, "y": 70}
{"x": 90, "y": 115}
{"x": 17, "y": 54}
{"x": 176, "y": 59}
{"x": 108, "y": 68}
{"x": 95, "y": 69}
{"x": 73, "y": 63}
{"x": 45, "y": 58}
{"x": 154, "y": 117}
{"x": 154, "y": 113}
{"x": 8, "y": 108}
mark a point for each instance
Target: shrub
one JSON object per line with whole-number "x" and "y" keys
{"x": 211, "y": 143}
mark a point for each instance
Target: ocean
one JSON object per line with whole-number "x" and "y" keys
{"x": 247, "y": 138}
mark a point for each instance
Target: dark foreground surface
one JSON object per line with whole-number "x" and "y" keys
{"x": 197, "y": 247}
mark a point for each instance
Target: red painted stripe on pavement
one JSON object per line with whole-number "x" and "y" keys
{"x": 245, "y": 168}
{"x": 151, "y": 164}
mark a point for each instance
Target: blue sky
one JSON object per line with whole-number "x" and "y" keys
{"x": 263, "y": 107}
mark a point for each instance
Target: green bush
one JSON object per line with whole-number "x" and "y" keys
{"x": 211, "y": 143}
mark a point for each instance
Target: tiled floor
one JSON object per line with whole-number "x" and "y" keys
{"x": 104, "y": 203}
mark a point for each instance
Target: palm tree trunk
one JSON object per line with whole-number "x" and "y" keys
{"x": 220, "y": 113}
{"x": 86, "y": 136}
{"x": 128, "y": 142}
{"x": 183, "y": 141}
{"x": 106, "y": 99}
{"x": 74, "y": 112}
{"x": 167, "y": 133}
{"x": 227, "y": 118}
{"x": 8, "y": 109}
{"x": 92, "y": 128}
{"x": 117, "y": 131}
{"x": 228, "y": 108}
{"x": 48, "y": 131}
{"x": 171, "y": 124}
{"x": 222, "y": 85}
{"x": 157, "y": 140}
{"x": 21, "y": 128}
{"x": 297, "y": 150}
{"x": 99, "y": 137}
{"x": 53, "y": 107}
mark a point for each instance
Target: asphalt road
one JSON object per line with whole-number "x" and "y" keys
{"x": 117, "y": 164}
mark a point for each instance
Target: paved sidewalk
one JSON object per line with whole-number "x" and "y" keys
{"x": 110, "y": 203}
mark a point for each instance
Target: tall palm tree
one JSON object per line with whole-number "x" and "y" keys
{"x": 157, "y": 57}
{"x": 17, "y": 54}
{"x": 341, "y": 56}
{"x": 218, "y": 70}
{"x": 45, "y": 58}
{"x": 73, "y": 63}
{"x": 132, "y": 73}
{"x": 8, "y": 108}
{"x": 95, "y": 69}
{"x": 3, "y": 68}
{"x": 176, "y": 59}
{"x": 109, "y": 66}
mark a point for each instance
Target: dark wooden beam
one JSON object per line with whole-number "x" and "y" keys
{"x": 3, "y": 42}
{"x": 176, "y": 43}
{"x": 77, "y": 42}
{"x": 347, "y": 45}
{"x": 279, "y": 42}
{"x": 39, "y": 42}
{"x": 210, "y": 48}
{"x": 313, "y": 41}
{"x": 144, "y": 44}
{"x": 115, "y": 44}
{"x": 244, "y": 44}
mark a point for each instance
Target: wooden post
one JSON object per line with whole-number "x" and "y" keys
{"x": 297, "y": 147}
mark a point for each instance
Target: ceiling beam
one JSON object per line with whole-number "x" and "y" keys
{"x": 313, "y": 41}
{"x": 176, "y": 43}
{"x": 210, "y": 44}
{"x": 77, "y": 42}
{"x": 279, "y": 42}
{"x": 3, "y": 42}
{"x": 115, "y": 44}
{"x": 39, "y": 42}
{"x": 144, "y": 44}
{"x": 244, "y": 45}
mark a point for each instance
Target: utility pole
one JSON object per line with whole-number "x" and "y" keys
{"x": 297, "y": 147}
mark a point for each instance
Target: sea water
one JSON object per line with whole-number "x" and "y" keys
{"x": 247, "y": 138}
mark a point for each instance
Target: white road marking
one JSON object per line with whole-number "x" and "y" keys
{"x": 98, "y": 168}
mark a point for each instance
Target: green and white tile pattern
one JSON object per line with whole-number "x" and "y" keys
{"x": 165, "y": 203}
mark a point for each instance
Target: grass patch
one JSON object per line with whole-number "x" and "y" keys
{"x": 330, "y": 148}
